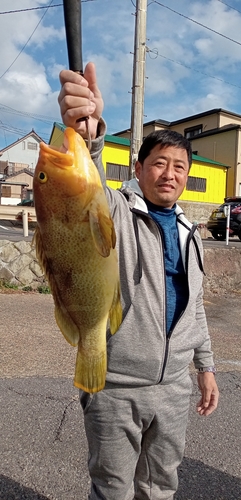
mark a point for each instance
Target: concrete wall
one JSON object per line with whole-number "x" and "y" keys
{"x": 18, "y": 266}
{"x": 199, "y": 212}
{"x": 223, "y": 270}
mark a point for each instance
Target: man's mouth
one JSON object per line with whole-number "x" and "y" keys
{"x": 166, "y": 187}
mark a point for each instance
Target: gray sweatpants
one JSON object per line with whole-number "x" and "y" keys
{"x": 136, "y": 439}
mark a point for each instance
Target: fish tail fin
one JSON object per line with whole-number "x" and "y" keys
{"x": 115, "y": 313}
{"x": 90, "y": 372}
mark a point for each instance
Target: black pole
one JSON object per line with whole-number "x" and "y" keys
{"x": 73, "y": 29}
{"x": 72, "y": 17}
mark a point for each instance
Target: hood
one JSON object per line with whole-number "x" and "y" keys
{"x": 133, "y": 192}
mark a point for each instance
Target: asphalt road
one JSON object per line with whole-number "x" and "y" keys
{"x": 12, "y": 232}
{"x": 42, "y": 440}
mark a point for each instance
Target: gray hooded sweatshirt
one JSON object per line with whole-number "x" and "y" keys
{"x": 141, "y": 353}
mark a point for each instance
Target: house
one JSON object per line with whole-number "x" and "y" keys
{"x": 17, "y": 165}
{"x": 22, "y": 153}
{"x": 16, "y": 187}
{"x": 214, "y": 134}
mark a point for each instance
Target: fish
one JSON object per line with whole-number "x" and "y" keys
{"x": 75, "y": 244}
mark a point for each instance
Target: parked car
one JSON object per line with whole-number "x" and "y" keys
{"x": 27, "y": 203}
{"x": 217, "y": 221}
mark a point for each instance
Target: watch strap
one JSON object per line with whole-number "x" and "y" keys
{"x": 205, "y": 369}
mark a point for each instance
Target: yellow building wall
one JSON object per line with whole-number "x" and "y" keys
{"x": 57, "y": 137}
{"x": 215, "y": 183}
{"x": 222, "y": 148}
{"x": 115, "y": 153}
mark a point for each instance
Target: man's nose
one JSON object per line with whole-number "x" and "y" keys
{"x": 168, "y": 172}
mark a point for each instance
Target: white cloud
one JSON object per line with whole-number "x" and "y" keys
{"x": 114, "y": 77}
{"x": 176, "y": 85}
{"x": 54, "y": 69}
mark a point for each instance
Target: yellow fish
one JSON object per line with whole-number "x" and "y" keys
{"x": 75, "y": 245}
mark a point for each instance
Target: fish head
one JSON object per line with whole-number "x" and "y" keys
{"x": 64, "y": 173}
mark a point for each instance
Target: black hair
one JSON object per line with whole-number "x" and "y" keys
{"x": 164, "y": 138}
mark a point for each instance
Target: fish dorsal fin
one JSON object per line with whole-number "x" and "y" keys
{"x": 103, "y": 232}
{"x": 63, "y": 319}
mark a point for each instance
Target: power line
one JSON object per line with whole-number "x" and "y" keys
{"x": 14, "y": 130}
{"x": 4, "y": 133}
{"x": 41, "y": 118}
{"x": 196, "y": 22}
{"x": 22, "y": 49}
{"x": 227, "y": 5}
{"x": 19, "y": 132}
{"x": 32, "y": 8}
{"x": 154, "y": 51}
{"x": 39, "y": 8}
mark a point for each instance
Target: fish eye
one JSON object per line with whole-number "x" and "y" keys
{"x": 42, "y": 177}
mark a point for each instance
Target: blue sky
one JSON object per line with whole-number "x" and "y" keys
{"x": 189, "y": 67}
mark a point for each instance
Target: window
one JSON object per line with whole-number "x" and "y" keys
{"x": 33, "y": 146}
{"x": 196, "y": 184}
{"x": 6, "y": 191}
{"x": 190, "y": 132}
{"x": 23, "y": 145}
{"x": 117, "y": 172}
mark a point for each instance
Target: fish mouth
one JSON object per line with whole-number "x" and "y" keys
{"x": 62, "y": 156}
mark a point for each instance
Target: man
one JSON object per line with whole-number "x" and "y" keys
{"x": 136, "y": 426}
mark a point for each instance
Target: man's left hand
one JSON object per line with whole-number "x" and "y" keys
{"x": 209, "y": 391}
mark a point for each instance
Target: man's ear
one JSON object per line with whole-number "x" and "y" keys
{"x": 138, "y": 167}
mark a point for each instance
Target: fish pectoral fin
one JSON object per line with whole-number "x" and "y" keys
{"x": 90, "y": 372}
{"x": 65, "y": 323}
{"x": 103, "y": 232}
{"x": 115, "y": 313}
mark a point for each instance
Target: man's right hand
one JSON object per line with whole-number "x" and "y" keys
{"x": 80, "y": 97}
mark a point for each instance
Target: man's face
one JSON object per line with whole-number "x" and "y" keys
{"x": 163, "y": 175}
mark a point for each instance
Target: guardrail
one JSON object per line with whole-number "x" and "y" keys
{"x": 10, "y": 212}
{"x": 20, "y": 214}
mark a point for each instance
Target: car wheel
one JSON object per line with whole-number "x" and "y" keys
{"x": 218, "y": 236}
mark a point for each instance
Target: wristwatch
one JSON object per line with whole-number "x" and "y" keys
{"x": 210, "y": 369}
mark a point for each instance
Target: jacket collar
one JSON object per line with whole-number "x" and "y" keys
{"x": 132, "y": 190}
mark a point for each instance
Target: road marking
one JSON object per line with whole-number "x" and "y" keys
{"x": 7, "y": 228}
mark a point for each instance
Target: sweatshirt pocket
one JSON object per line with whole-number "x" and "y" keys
{"x": 136, "y": 350}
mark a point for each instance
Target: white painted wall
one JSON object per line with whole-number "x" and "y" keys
{"x": 10, "y": 201}
{"x": 20, "y": 153}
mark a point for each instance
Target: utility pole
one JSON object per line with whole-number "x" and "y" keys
{"x": 138, "y": 82}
